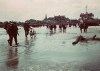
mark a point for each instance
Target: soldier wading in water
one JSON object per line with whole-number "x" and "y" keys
{"x": 12, "y": 30}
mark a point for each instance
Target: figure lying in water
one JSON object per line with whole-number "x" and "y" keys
{"x": 82, "y": 39}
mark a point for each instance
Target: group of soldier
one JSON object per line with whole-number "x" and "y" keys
{"x": 52, "y": 27}
{"x": 61, "y": 27}
{"x": 12, "y": 31}
{"x": 83, "y": 26}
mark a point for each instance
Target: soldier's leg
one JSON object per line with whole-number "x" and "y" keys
{"x": 84, "y": 29}
{"x": 81, "y": 30}
{"x": 10, "y": 40}
{"x": 15, "y": 38}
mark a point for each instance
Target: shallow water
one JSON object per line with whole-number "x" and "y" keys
{"x": 51, "y": 51}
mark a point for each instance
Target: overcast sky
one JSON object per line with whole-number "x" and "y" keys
{"x": 21, "y": 10}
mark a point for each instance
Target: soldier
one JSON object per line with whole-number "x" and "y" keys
{"x": 55, "y": 27}
{"x": 81, "y": 27}
{"x": 26, "y": 29}
{"x": 6, "y": 26}
{"x": 64, "y": 27}
{"x": 85, "y": 27}
{"x": 13, "y": 31}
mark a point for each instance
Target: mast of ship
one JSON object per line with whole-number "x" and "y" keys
{"x": 86, "y": 13}
{"x": 86, "y": 9}
{"x": 45, "y": 16}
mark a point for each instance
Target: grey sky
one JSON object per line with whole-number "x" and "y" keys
{"x": 21, "y": 10}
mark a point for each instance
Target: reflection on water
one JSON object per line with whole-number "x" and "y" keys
{"x": 51, "y": 33}
{"x": 12, "y": 60}
{"x": 28, "y": 44}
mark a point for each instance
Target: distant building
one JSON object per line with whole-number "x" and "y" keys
{"x": 61, "y": 19}
{"x": 31, "y": 21}
{"x": 74, "y": 21}
{"x": 49, "y": 20}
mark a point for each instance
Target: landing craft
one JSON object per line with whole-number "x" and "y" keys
{"x": 89, "y": 19}
{"x": 92, "y": 22}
